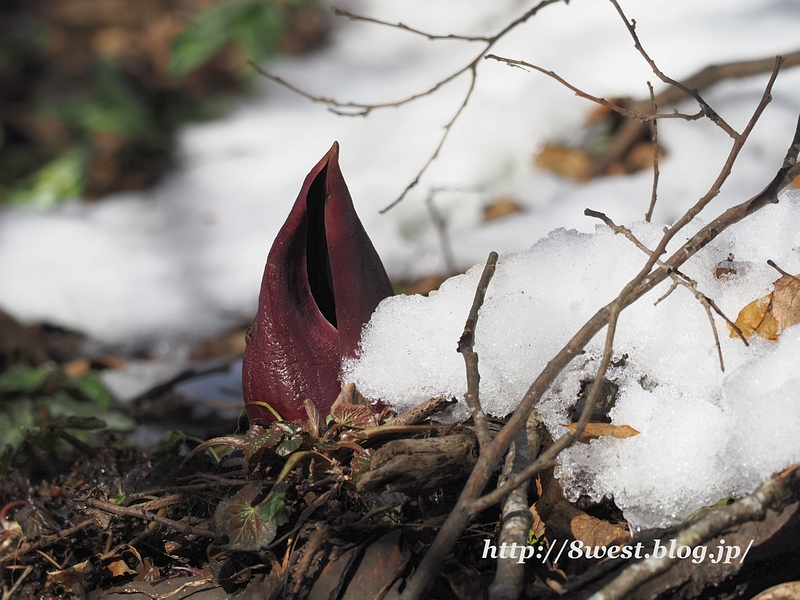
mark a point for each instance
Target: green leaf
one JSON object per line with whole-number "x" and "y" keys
{"x": 289, "y": 445}
{"x": 247, "y": 526}
{"x": 20, "y": 378}
{"x": 85, "y": 423}
{"x": 274, "y": 507}
{"x": 253, "y": 25}
{"x": 60, "y": 179}
{"x": 360, "y": 464}
{"x": 259, "y": 439}
{"x": 93, "y": 388}
{"x": 15, "y": 416}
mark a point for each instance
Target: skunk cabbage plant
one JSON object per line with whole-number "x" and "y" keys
{"x": 322, "y": 282}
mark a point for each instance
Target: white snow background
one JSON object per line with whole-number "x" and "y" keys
{"x": 174, "y": 264}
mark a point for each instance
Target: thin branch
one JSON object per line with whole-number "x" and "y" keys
{"x": 642, "y": 283}
{"x": 516, "y": 523}
{"x": 649, "y": 214}
{"x": 435, "y": 154}
{"x": 339, "y": 12}
{"x": 707, "y": 110}
{"x": 713, "y": 74}
{"x": 441, "y": 228}
{"x": 547, "y": 458}
{"x": 772, "y": 493}
{"x": 678, "y": 278}
{"x": 126, "y": 511}
{"x": 625, "y": 112}
{"x": 45, "y": 540}
{"x": 362, "y": 110}
{"x": 772, "y": 264}
{"x": 465, "y": 347}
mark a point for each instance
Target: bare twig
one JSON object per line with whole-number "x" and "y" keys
{"x": 450, "y": 36}
{"x": 625, "y": 112}
{"x": 441, "y": 228}
{"x": 516, "y": 523}
{"x": 9, "y": 593}
{"x": 414, "y": 182}
{"x": 126, "y": 511}
{"x": 772, "y": 493}
{"x": 465, "y": 347}
{"x": 706, "y": 109}
{"x": 469, "y": 501}
{"x": 362, "y": 109}
{"x": 678, "y": 278}
{"x": 422, "y": 411}
{"x": 44, "y": 541}
{"x": 649, "y": 214}
{"x": 772, "y": 264}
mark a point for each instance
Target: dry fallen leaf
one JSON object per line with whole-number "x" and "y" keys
{"x": 598, "y": 430}
{"x": 563, "y": 520}
{"x": 770, "y": 315}
{"x": 567, "y": 162}
{"x": 786, "y": 301}
{"x": 501, "y": 207}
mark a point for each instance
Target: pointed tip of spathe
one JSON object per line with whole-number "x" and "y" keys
{"x": 334, "y": 151}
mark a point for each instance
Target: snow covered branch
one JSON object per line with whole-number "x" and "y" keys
{"x": 471, "y": 502}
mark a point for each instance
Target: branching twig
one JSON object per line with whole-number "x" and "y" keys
{"x": 126, "y": 511}
{"x": 362, "y": 109}
{"x": 414, "y": 182}
{"x": 625, "y": 112}
{"x": 465, "y": 347}
{"x": 706, "y": 109}
{"x": 770, "y": 494}
{"x": 678, "y": 278}
{"x": 647, "y": 278}
{"x": 451, "y": 36}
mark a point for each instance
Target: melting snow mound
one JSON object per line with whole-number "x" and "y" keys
{"x": 704, "y": 434}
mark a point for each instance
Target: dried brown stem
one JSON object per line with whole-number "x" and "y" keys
{"x": 772, "y": 264}
{"x": 705, "y": 108}
{"x": 44, "y": 541}
{"x": 649, "y": 214}
{"x": 772, "y": 493}
{"x": 421, "y": 172}
{"x": 469, "y": 501}
{"x": 339, "y": 12}
{"x": 625, "y": 112}
{"x": 516, "y": 522}
{"x": 362, "y": 109}
{"x": 126, "y": 511}
{"x": 678, "y": 278}
{"x": 465, "y": 347}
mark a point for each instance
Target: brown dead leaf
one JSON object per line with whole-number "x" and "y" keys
{"x": 598, "y": 430}
{"x": 573, "y": 163}
{"x": 501, "y": 207}
{"x": 538, "y": 528}
{"x": 786, "y": 301}
{"x": 770, "y": 315}
{"x": 76, "y": 368}
{"x": 596, "y": 532}
{"x": 566, "y": 521}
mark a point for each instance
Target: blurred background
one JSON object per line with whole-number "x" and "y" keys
{"x": 145, "y": 166}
